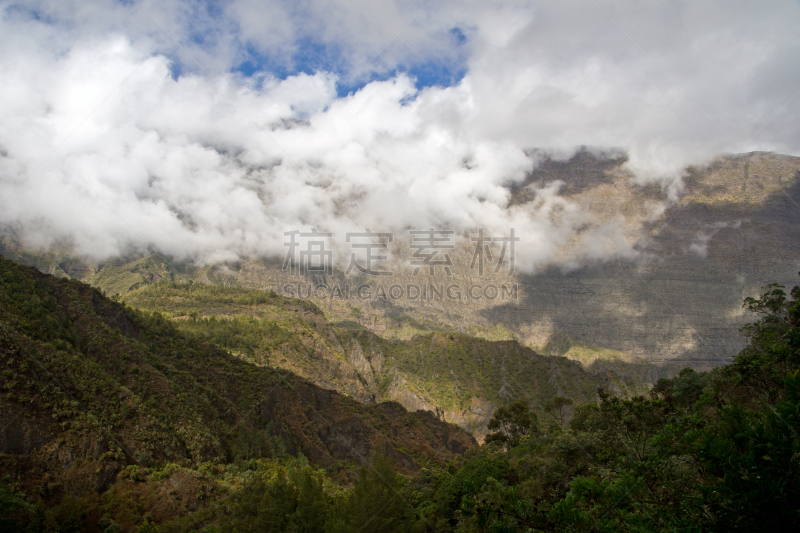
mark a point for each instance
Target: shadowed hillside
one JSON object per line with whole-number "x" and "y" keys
{"x": 96, "y": 393}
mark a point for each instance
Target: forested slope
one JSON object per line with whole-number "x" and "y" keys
{"x": 95, "y": 392}
{"x": 460, "y": 377}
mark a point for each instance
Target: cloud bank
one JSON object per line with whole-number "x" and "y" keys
{"x": 205, "y": 131}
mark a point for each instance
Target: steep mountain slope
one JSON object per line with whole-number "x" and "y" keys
{"x": 460, "y": 378}
{"x": 676, "y": 299}
{"x": 92, "y": 388}
{"x": 734, "y": 228}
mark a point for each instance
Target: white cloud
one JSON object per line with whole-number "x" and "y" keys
{"x": 212, "y": 165}
{"x": 703, "y": 238}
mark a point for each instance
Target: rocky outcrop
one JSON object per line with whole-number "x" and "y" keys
{"x": 675, "y": 299}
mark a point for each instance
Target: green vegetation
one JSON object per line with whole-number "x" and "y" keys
{"x": 259, "y": 326}
{"x": 184, "y": 299}
{"x": 350, "y": 324}
{"x": 11, "y": 503}
{"x": 445, "y": 370}
{"x": 119, "y": 279}
{"x": 454, "y": 376}
{"x": 514, "y": 421}
{"x": 451, "y": 370}
{"x": 250, "y": 337}
{"x": 714, "y": 451}
{"x": 405, "y": 327}
{"x": 497, "y": 333}
{"x": 561, "y": 408}
{"x": 119, "y": 419}
{"x": 113, "y": 419}
{"x": 603, "y": 360}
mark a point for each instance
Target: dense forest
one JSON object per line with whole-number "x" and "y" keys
{"x": 713, "y": 451}
{"x": 703, "y": 451}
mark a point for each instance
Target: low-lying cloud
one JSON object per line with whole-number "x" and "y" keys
{"x": 703, "y": 238}
{"x": 110, "y": 146}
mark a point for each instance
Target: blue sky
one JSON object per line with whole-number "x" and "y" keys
{"x": 310, "y": 56}
{"x": 357, "y": 43}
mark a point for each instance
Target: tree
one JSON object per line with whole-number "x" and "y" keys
{"x": 294, "y": 503}
{"x": 11, "y": 503}
{"x": 375, "y": 504}
{"x": 773, "y": 342}
{"x": 684, "y": 389}
{"x": 513, "y": 421}
{"x": 562, "y": 408}
{"x": 753, "y": 459}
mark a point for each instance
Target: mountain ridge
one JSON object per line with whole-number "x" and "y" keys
{"x": 461, "y": 378}
{"x": 95, "y": 392}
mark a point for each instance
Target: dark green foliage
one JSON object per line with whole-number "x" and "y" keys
{"x": 754, "y": 458}
{"x": 132, "y": 411}
{"x": 684, "y": 389}
{"x": 446, "y": 370}
{"x": 561, "y": 407}
{"x": 292, "y": 503}
{"x": 705, "y": 451}
{"x": 112, "y": 370}
{"x": 513, "y": 421}
{"x": 711, "y": 451}
{"x": 199, "y": 297}
{"x": 377, "y": 502}
{"x": 296, "y": 501}
{"x": 66, "y": 517}
{"x": 459, "y": 491}
{"x": 245, "y": 335}
{"x": 13, "y": 505}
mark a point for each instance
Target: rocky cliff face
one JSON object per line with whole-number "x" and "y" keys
{"x": 676, "y": 298}
{"x": 735, "y": 229}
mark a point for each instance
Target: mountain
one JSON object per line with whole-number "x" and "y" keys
{"x": 461, "y": 378}
{"x": 675, "y": 299}
{"x": 96, "y": 394}
{"x": 116, "y": 419}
